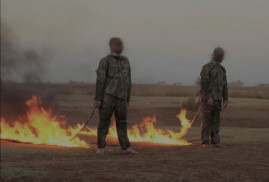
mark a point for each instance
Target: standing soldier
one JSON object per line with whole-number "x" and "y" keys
{"x": 214, "y": 90}
{"x": 113, "y": 88}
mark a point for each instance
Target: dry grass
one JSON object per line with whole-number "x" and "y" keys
{"x": 164, "y": 90}
{"x": 27, "y": 162}
{"x": 191, "y": 103}
{"x": 259, "y": 92}
{"x": 244, "y": 132}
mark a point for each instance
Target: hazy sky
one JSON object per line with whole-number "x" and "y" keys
{"x": 166, "y": 40}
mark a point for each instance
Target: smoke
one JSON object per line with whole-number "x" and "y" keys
{"x": 21, "y": 65}
{"x": 18, "y": 64}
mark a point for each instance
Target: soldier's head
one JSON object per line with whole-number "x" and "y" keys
{"x": 218, "y": 54}
{"x": 116, "y": 45}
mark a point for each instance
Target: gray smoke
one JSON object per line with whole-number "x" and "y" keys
{"x": 19, "y": 64}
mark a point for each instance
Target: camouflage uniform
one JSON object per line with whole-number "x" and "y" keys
{"x": 213, "y": 85}
{"x": 113, "y": 88}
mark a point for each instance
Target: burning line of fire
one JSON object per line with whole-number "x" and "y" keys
{"x": 42, "y": 128}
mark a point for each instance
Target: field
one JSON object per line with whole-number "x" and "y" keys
{"x": 244, "y": 132}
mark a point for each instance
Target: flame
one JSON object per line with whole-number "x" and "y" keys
{"x": 147, "y": 132}
{"x": 39, "y": 127}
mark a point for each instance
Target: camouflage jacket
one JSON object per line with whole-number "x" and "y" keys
{"x": 113, "y": 78}
{"x": 214, "y": 82}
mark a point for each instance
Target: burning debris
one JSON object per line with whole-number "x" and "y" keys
{"x": 39, "y": 127}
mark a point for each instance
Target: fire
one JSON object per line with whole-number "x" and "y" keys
{"x": 39, "y": 127}
{"x": 147, "y": 132}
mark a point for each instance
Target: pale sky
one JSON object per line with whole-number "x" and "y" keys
{"x": 166, "y": 40}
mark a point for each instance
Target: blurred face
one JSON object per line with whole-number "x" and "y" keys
{"x": 116, "y": 47}
{"x": 219, "y": 57}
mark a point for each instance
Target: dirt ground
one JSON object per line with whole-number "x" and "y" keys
{"x": 244, "y": 132}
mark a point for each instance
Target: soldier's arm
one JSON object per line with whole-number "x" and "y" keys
{"x": 225, "y": 87}
{"x": 205, "y": 82}
{"x": 101, "y": 79}
{"x": 130, "y": 86}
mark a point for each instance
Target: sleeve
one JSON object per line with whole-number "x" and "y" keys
{"x": 205, "y": 85}
{"x": 225, "y": 88}
{"x": 101, "y": 79}
{"x": 130, "y": 86}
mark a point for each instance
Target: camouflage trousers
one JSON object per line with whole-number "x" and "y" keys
{"x": 110, "y": 105}
{"x": 211, "y": 122}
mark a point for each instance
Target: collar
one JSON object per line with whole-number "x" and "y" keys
{"x": 215, "y": 62}
{"x": 115, "y": 54}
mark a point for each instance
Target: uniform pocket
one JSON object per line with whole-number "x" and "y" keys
{"x": 112, "y": 71}
{"x": 125, "y": 77}
{"x": 125, "y": 73}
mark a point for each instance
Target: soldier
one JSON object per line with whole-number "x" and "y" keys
{"x": 113, "y": 89}
{"x": 214, "y": 91}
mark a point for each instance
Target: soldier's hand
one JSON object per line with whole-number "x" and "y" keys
{"x": 225, "y": 104}
{"x": 97, "y": 104}
{"x": 210, "y": 101}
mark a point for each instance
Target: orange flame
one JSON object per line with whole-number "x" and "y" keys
{"x": 147, "y": 132}
{"x": 42, "y": 128}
